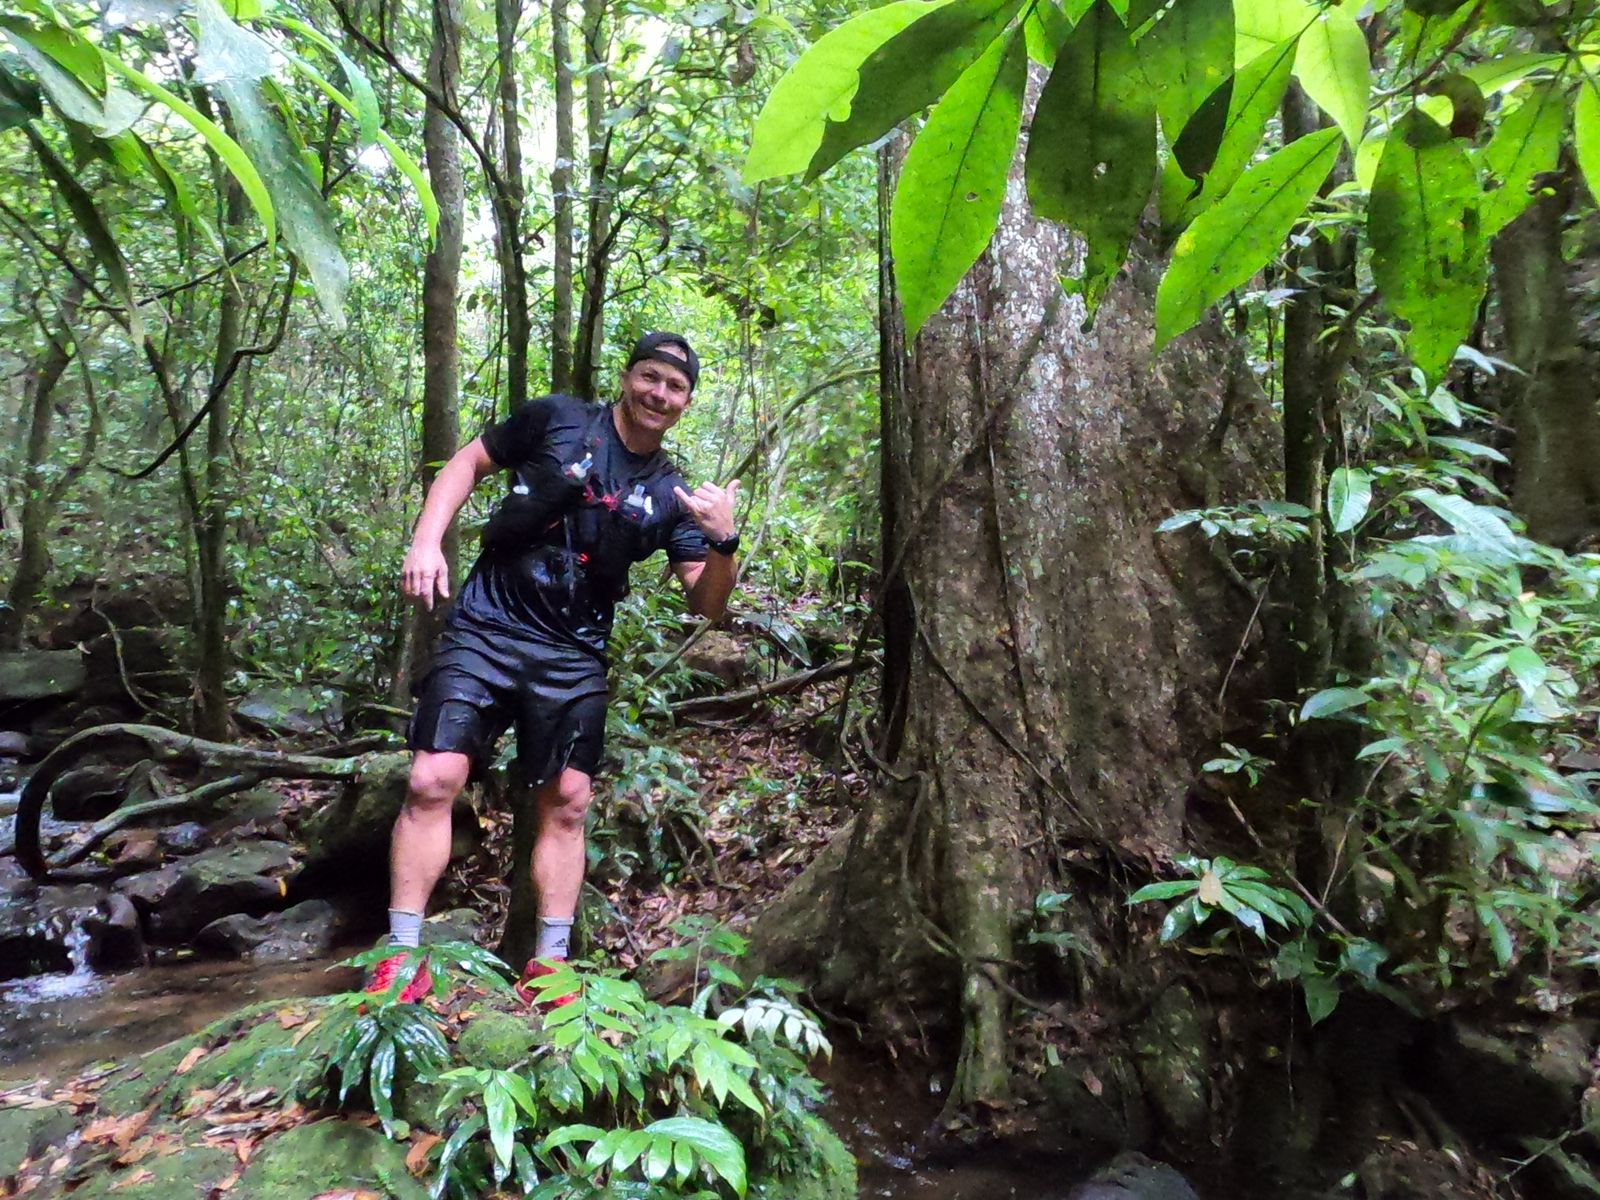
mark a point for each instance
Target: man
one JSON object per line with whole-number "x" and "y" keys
{"x": 525, "y": 644}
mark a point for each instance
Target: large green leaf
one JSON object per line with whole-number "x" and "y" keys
{"x": 1526, "y": 145}
{"x": 1092, "y": 146}
{"x": 1428, "y": 255}
{"x": 1242, "y": 105}
{"x": 1186, "y": 56}
{"x": 229, "y": 151}
{"x": 1335, "y": 70}
{"x": 713, "y": 1143}
{"x": 1586, "y": 132}
{"x": 1260, "y": 25}
{"x": 822, "y": 83}
{"x": 953, "y": 181}
{"x": 92, "y": 225}
{"x": 912, "y": 70}
{"x": 1349, "y": 497}
{"x": 235, "y": 56}
{"x": 364, "y": 101}
{"x": 1237, "y": 236}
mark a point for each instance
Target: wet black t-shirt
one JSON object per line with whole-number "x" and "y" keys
{"x": 581, "y": 510}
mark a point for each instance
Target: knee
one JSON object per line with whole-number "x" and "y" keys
{"x": 433, "y": 786}
{"x": 564, "y": 803}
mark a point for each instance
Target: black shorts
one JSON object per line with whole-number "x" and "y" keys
{"x": 556, "y": 699}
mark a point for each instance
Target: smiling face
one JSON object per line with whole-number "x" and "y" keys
{"x": 653, "y": 397}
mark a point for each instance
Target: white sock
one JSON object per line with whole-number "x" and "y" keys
{"x": 555, "y": 936}
{"x": 405, "y": 928}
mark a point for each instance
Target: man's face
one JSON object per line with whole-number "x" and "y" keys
{"x": 654, "y": 394}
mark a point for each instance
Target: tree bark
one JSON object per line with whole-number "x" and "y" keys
{"x": 441, "y": 275}
{"x": 509, "y": 206}
{"x": 590, "y": 348}
{"x": 562, "y": 204}
{"x": 1557, "y": 453}
{"x": 211, "y": 715}
{"x": 1061, "y": 660}
{"x": 39, "y": 497}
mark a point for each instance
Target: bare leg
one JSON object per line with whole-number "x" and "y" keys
{"x": 558, "y": 851}
{"x": 420, "y": 848}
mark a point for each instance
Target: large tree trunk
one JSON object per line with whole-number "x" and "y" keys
{"x": 441, "y": 274}
{"x": 39, "y": 496}
{"x": 1557, "y": 422}
{"x": 1055, "y": 662}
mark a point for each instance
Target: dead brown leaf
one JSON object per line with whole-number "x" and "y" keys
{"x": 133, "y": 1179}
{"x": 288, "y": 1018}
{"x": 189, "y": 1059}
{"x": 417, "y": 1156}
{"x": 363, "y": 1194}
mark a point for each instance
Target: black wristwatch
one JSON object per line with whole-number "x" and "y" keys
{"x": 726, "y": 546}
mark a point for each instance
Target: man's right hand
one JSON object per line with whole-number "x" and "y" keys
{"x": 424, "y": 574}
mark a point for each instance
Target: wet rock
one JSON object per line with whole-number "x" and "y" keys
{"x": 148, "y": 889}
{"x": 1172, "y": 1054}
{"x": 1134, "y": 1177}
{"x": 347, "y": 841}
{"x": 16, "y": 744}
{"x": 456, "y": 925}
{"x": 825, "y": 1169}
{"x": 28, "y": 1132}
{"x": 116, "y": 939}
{"x": 308, "y": 930}
{"x": 133, "y": 848}
{"x": 195, "y": 1171}
{"x": 721, "y": 656}
{"x": 293, "y": 709}
{"x": 183, "y": 838}
{"x": 1503, "y": 1082}
{"x": 40, "y": 674}
{"x": 498, "y": 1040}
{"x": 327, "y": 1156}
{"x": 1098, "y": 1101}
{"x": 41, "y": 930}
{"x": 89, "y": 792}
{"x": 249, "y": 878}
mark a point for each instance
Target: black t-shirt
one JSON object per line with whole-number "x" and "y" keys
{"x": 582, "y": 509}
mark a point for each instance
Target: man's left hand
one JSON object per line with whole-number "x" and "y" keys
{"x": 711, "y": 508}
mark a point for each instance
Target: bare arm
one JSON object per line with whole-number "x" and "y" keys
{"x": 708, "y": 584}
{"x": 425, "y": 572}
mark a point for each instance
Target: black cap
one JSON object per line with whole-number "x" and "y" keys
{"x": 649, "y": 347}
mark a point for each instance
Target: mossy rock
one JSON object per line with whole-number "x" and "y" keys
{"x": 255, "y": 1050}
{"x": 327, "y": 1156}
{"x": 830, "y": 1175}
{"x": 27, "y": 1132}
{"x": 498, "y": 1040}
{"x": 191, "y": 1172}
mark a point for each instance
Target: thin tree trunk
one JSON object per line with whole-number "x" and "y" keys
{"x": 1557, "y": 452}
{"x": 441, "y": 351}
{"x": 561, "y": 198}
{"x": 212, "y": 718}
{"x": 591, "y": 332}
{"x": 33, "y": 556}
{"x": 509, "y": 206}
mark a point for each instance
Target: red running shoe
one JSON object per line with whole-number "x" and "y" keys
{"x": 386, "y": 972}
{"x": 536, "y": 969}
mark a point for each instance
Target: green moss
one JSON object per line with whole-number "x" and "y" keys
{"x": 28, "y": 1132}
{"x": 324, "y": 1157}
{"x": 500, "y": 1040}
{"x": 829, "y": 1174}
{"x": 192, "y": 1171}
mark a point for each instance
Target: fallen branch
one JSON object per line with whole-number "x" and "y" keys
{"x": 161, "y": 746}
{"x": 783, "y": 686}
